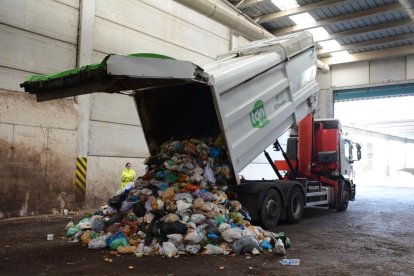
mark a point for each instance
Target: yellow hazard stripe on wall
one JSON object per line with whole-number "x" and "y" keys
{"x": 81, "y": 169}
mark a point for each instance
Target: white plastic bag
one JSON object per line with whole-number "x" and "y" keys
{"x": 182, "y": 205}
{"x": 279, "y": 248}
{"x": 223, "y": 227}
{"x": 198, "y": 218}
{"x": 168, "y": 249}
{"x": 176, "y": 239}
{"x": 192, "y": 248}
{"x": 99, "y": 242}
{"x": 213, "y": 250}
{"x": 232, "y": 234}
{"x": 193, "y": 237}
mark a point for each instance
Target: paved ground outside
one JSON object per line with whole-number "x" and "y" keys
{"x": 373, "y": 237}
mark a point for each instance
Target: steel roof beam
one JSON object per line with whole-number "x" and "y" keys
{"x": 371, "y": 42}
{"x": 338, "y": 19}
{"x": 305, "y": 8}
{"x": 371, "y": 55}
{"x": 369, "y": 29}
{"x": 249, "y": 3}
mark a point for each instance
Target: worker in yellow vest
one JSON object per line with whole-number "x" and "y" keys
{"x": 128, "y": 175}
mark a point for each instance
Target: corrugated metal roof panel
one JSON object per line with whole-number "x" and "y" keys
{"x": 306, "y": 2}
{"x": 383, "y": 46}
{"x": 377, "y": 34}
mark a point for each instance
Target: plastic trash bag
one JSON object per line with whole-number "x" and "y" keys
{"x": 223, "y": 227}
{"x": 193, "y": 237}
{"x": 168, "y": 193}
{"x": 126, "y": 206}
{"x": 118, "y": 242}
{"x": 85, "y": 224}
{"x": 198, "y": 218}
{"x": 72, "y": 231}
{"x": 266, "y": 245}
{"x": 98, "y": 225}
{"x": 198, "y": 203}
{"x": 209, "y": 174}
{"x": 88, "y": 236}
{"x": 176, "y": 239}
{"x": 279, "y": 248}
{"x": 245, "y": 245}
{"x": 127, "y": 249}
{"x": 187, "y": 197}
{"x": 182, "y": 205}
{"x": 218, "y": 220}
{"x": 171, "y": 217}
{"x": 206, "y": 195}
{"x": 210, "y": 249}
{"x": 118, "y": 236}
{"x": 116, "y": 218}
{"x": 192, "y": 248}
{"x": 168, "y": 249}
{"x": 232, "y": 234}
{"x": 99, "y": 242}
{"x": 116, "y": 201}
{"x": 172, "y": 228}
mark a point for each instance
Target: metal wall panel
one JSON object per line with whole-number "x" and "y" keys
{"x": 387, "y": 70}
{"x": 119, "y": 140}
{"x": 114, "y": 38}
{"x": 45, "y": 17}
{"x": 114, "y": 108}
{"x": 350, "y": 74}
{"x": 30, "y": 52}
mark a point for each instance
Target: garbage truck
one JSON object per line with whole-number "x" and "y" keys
{"x": 251, "y": 96}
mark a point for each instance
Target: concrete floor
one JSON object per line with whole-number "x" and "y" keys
{"x": 373, "y": 237}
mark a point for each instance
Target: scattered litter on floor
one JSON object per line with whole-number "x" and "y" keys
{"x": 178, "y": 207}
{"x": 290, "y": 261}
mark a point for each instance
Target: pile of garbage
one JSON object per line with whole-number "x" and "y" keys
{"x": 179, "y": 206}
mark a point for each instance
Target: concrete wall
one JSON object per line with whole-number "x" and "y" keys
{"x": 386, "y": 72}
{"x": 39, "y": 142}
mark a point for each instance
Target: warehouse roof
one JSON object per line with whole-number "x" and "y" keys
{"x": 344, "y": 30}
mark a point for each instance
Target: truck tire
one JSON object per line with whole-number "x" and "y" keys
{"x": 270, "y": 209}
{"x": 295, "y": 205}
{"x": 345, "y": 196}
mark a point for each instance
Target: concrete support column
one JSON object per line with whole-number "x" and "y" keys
{"x": 325, "y": 96}
{"x": 85, "y": 51}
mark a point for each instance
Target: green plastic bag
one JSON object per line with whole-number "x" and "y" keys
{"x": 219, "y": 220}
{"x": 118, "y": 242}
{"x": 72, "y": 231}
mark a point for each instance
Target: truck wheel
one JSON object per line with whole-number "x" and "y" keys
{"x": 270, "y": 209}
{"x": 295, "y": 205}
{"x": 343, "y": 205}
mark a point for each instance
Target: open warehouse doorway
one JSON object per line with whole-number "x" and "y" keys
{"x": 381, "y": 120}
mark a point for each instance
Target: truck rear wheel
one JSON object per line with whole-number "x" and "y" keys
{"x": 295, "y": 206}
{"x": 346, "y": 195}
{"x": 270, "y": 209}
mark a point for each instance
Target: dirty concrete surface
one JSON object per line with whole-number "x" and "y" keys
{"x": 373, "y": 237}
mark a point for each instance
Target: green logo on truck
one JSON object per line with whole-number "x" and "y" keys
{"x": 258, "y": 115}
